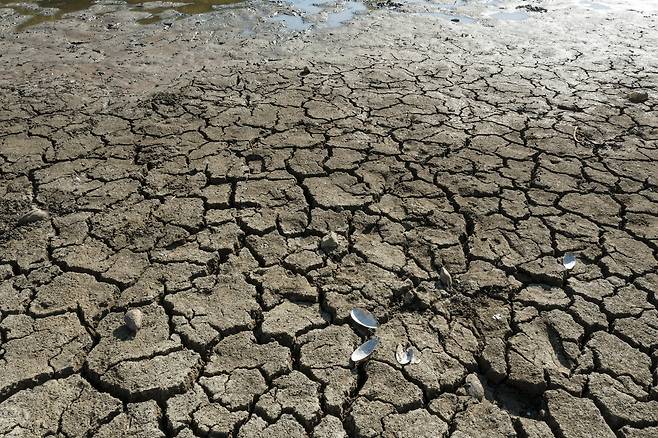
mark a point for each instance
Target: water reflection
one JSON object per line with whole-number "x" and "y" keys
{"x": 40, "y": 11}
{"x": 48, "y": 10}
{"x": 300, "y": 15}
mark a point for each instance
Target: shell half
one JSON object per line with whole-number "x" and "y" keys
{"x": 364, "y": 350}
{"x": 406, "y": 356}
{"x": 364, "y": 318}
{"x": 569, "y": 260}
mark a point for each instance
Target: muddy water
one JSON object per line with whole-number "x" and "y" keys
{"x": 40, "y": 11}
{"x": 296, "y": 15}
{"x": 301, "y": 15}
{"x": 45, "y": 10}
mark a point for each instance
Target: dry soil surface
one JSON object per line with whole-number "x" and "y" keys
{"x": 191, "y": 170}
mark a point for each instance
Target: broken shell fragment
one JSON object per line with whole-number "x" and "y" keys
{"x": 34, "y": 215}
{"x": 569, "y": 260}
{"x": 446, "y": 278}
{"x": 474, "y": 387}
{"x": 406, "y": 355}
{"x": 364, "y": 318}
{"x": 133, "y": 319}
{"x": 364, "y": 350}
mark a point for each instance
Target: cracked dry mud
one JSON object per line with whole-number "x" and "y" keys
{"x": 195, "y": 178}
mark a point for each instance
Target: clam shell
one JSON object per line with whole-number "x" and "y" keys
{"x": 446, "y": 278}
{"x": 415, "y": 356}
{"x": 569, "y": 260}
{"x": 364, "y": 350}
{"x": 403, "y": 355}
{"x": 365, "y": 318}
{"x": 406, "y": 355}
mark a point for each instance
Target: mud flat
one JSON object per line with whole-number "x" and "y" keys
{"x": 195, "y": 168}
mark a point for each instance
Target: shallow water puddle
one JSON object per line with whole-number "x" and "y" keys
{"x": 292, "y": 22}
{"x": 41, "y": 11}
{"x": 185, "y": 7}
{"x": 350, "y": 9}
{"x": 303, "y": 14}
{"x": 318, "y": 13}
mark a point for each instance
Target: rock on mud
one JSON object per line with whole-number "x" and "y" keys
{"x": 638, "y": 96}
{"x": 474, "y": 387}
{"x": 330, "y": 242}
{"x": 133, "y": 319}
{"x": 34, "y": 215}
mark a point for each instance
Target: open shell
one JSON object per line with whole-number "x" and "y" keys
{"x": 364, "y": 318}
{"x": 407, "y": 355}
{"x": 403, "y": 355}
{"x": 569, "y": 260}
{"x": 446, "y": 278}
{"x": 364, "y": 350}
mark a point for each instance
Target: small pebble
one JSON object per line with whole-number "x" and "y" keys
{"x": 474, "y": 387}
{"x": 133, "y": 319}
{"x": 638, "y": 96}
{"x": 34, "y": 215}
{"x": 305, "y": 71}
{"x": 329, "y": 242}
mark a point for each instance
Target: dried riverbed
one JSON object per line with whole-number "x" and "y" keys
{"x": 194, "y": 169}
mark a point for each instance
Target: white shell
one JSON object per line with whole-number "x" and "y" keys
{"x": 365, "y": 318}
{"x": 34, "y": 215}
{"x": 364, "y": 350}
{"x": 446, "y": 278}
{"x": 402, "y": 355}
{"x": 406, "y": 355}
{"x": 569, "y": 260}
{"x": 133, "y": 319}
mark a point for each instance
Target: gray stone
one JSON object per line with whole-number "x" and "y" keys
{"x": 133, "y": 319}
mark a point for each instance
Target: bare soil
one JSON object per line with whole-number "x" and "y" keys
{"x": 191, "y": 170}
